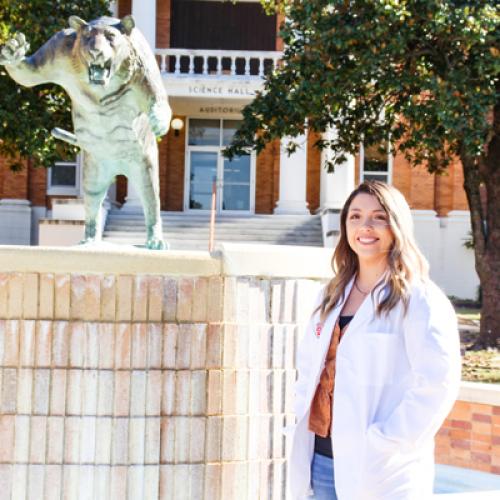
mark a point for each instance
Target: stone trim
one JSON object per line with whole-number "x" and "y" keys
{"x": 476, "y": 392}
{"x": 229, "y": 259}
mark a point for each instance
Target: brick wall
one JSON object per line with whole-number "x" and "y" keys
{"x": 172, "y": 158}
{"x": 470, "y": 437}
{"x": 280, "y": 19}
{"x": 163, "y": 23}
{"x": 158, "y": 384}
{"x": 313, "y": 172}
{"x": 265, "y": 192}
{"x": 124, "y": 8}
{"x": 13, "y": 185}
{"x": 459, "y": 196}
{"x": 2, "y": 175}
{"x": 37, "y": 186}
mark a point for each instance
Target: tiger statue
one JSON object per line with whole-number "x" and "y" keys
{"x": 119, "y": 107}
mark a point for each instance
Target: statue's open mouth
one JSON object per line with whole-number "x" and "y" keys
{"x": 99, "y": 74}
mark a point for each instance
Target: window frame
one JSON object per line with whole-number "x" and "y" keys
{"x": 220, "y": 168}
{"x": 378, "y": 173}
{"x": 65, "y": 190}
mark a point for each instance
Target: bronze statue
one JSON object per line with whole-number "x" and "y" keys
{"x": 119, "y": 107}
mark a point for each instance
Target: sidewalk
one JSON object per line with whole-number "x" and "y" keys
{"x": 465, "y": 484}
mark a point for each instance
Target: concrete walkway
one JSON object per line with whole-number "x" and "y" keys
{"x": 465, "y": 484}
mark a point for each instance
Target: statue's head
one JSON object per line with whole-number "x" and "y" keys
{"x": 102, "y": 45}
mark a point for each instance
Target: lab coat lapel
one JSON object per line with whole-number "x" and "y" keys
{"x": 322, "y": 340}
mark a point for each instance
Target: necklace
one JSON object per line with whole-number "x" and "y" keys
{"x": 359, "y": 289}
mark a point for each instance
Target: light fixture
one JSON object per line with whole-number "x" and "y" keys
{"x": 177, "y": 125}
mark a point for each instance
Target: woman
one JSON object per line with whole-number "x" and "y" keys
{"x": 378, "y": 366}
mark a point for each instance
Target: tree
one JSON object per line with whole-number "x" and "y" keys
{"x": 27, "y": 115}
{"x": 420, "y": 76}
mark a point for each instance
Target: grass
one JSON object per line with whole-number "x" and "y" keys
{"x": 468, "y": 314}
{"x": 481, "y": 366}
{"x": 477, "y": 366}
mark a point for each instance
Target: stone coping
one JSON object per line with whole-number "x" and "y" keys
{"x": 106, "y": 258}
{"x": 477, "y": 392}
{"x": 229, "y": 259}
{"x": 241, "y": 259}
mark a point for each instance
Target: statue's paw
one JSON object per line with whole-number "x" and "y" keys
{"x": 159, "y": 126}
{"x": 156, "y": 244}
{"x": 159, "y": 118}
{"x": 14, "y": 50}
{"x": 87, "y": 241}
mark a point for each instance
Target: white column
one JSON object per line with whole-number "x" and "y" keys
{"x": 144, "y": 12}
{"x": 293, "y": 179}
{"x": 335, "y": 188}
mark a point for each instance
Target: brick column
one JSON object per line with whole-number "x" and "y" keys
{"x": 124, "y": 8}
{"x": 280, "y": 18}
{"x": 313, "y": 173}
{"x": 175, "y": 157}
{"x": 163, "y": 13}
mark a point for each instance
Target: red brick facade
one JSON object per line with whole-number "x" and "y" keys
{"x": 13, "y": 185}
{"x": 172, "y": 160}
{"x": 470, "y": 437}
{"x": 163, "y": 23}
{"x": 37, "y": 186}
{"x": 124, "y": 8}
{"x": 313, "y": 173}
{"x": 266, "y": 179}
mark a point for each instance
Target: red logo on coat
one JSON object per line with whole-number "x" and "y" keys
{"x": 319, "y": 327}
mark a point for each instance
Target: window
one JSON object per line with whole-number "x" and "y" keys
{"x": 374, "y": 165}
{"x": 234, "y": 179}
{"x": 202, "y": 24}
{"x": 64, "y": 178}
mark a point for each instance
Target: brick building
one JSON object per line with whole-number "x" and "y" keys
{"x": 212, "y": 56}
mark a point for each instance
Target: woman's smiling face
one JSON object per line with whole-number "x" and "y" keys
{"x": 368, "y": 230}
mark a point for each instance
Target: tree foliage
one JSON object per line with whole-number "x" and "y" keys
{"x": 27, "y": 115}
{"x": 419, "y": 72}
{"x": 417, "y": 77}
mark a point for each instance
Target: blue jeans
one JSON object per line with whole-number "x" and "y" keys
{"x": 322, "y": 480}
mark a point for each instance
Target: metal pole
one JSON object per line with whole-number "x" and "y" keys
{"x": 212, "y": 218}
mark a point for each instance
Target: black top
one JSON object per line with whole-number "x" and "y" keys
{"x": 323, "y": 445}
{"x": 344, "y": 321}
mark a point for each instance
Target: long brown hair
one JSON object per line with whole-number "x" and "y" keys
{"x": 405, "y": 260}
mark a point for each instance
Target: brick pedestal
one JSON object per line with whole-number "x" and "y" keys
{"x": 127, "y": 384}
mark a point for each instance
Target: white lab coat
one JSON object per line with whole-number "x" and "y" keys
{"x": 396, "y": 380}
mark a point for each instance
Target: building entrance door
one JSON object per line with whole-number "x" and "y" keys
{"x": 234, "y": 179}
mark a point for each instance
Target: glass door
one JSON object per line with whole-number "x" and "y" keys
{"x": 235, "y": 194}
{"x": 203, "y": 173}
{"x": 234, "y": 178}
{"x": 236, "y": 174}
